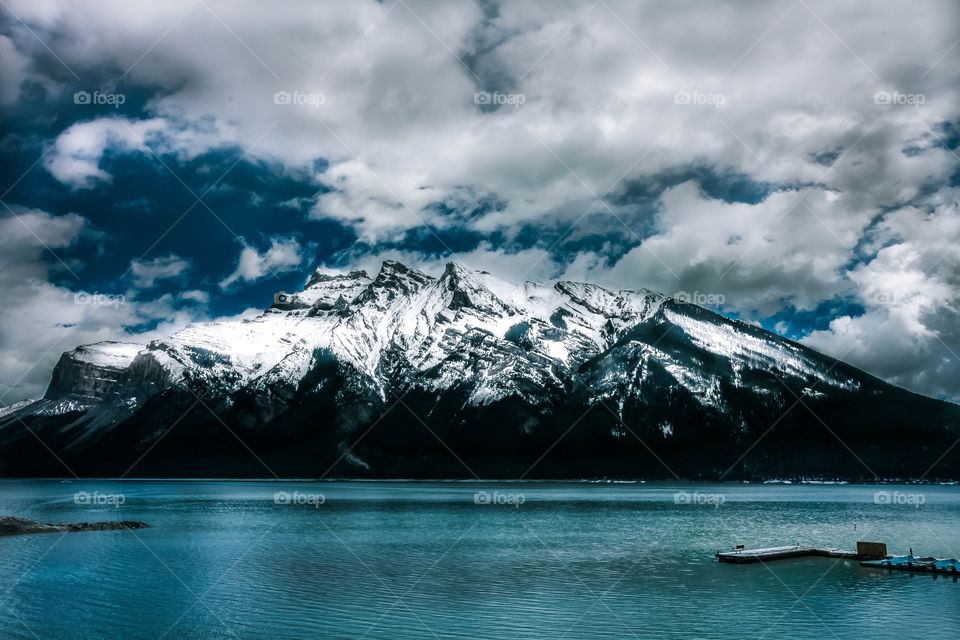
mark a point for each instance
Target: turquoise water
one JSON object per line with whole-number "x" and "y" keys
{"x": 425, "y": 560}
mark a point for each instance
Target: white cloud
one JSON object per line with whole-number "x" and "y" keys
{"x": 78, "y": 151}
{"x": 283, "y": 255}
{"x": 13, "y": 70}
{"x": 399, "y": 100}
{"x": 910, "y": 332}
{"x": 400, "y": 128}
{"x": 146, "y": 273}
{"x": 25, "y": 232}
{"x": 789, "y": 249}
{"x": 39, "y": 319}
{"x": 75, "y": 159}
{"x": 196, "y": 295}
{"x": 399, "y": 121}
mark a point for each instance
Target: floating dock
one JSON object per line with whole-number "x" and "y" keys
{"x": 870, "y": 554}
{"x": 769, "y": 554}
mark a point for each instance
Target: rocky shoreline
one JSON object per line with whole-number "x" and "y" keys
{"x": 11, "y": 526}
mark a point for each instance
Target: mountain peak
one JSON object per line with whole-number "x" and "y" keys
{"x": 394, "y": 271}
{"x": 325, "y": 274}
{"x": 452, "y": 268}
{"x": 454, "y": 275}
{"x": 482, "y": 290}
{"x": 393, "y": 264}
{"x": 394, "y": 279}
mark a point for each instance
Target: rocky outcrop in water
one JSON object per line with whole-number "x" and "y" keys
{"x": 11, "y": 526}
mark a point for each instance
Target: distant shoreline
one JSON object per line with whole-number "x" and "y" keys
{"x": 768, "y": 482}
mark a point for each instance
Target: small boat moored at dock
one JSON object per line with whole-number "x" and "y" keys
{"x": 913, "y": 563}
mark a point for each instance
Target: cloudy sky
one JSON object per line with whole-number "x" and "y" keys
{"x": 792, "y": 164}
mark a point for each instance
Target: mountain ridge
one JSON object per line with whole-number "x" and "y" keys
{"x": 465, "y": 374}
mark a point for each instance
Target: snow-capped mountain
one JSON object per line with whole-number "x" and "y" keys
{"x": 409, "y": 375}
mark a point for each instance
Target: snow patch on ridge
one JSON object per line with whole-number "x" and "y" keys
{"x": 725, "y": 339}
{"x": 117, "y": 355}
{"x": 557, "y": 351}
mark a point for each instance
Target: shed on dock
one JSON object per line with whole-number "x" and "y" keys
{"x": 871, "y": 550}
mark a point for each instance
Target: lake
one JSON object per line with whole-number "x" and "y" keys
{"x": 470, "y": 560}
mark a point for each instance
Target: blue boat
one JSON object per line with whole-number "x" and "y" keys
{"x": 915, "y": 563}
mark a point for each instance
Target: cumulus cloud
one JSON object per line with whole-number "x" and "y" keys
{"x": 27, "y": 231}
{"x": 283, "y": 255}
{"x": 146, "y": 273}
{"x": 40, "y": 319}
{"x": 789, "y": 249}
{"x": 13, "y": 70}
{"x": 196, "y": 295}
{"x": 77, "y": 152}
{"x": 401, "y": 128}
{"x": 910, "y": 288}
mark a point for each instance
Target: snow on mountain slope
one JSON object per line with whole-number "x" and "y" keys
{"x": 92, "y": 372}
{"x": 233, "y": 353}
{"x": 479, "y": 358}
{"x": 324, "y": 290}
{"x": 743, "y": 348}
{"x": 462, "y": 328}
{"x": 116, "y": 355}
{"x": 14, "y": 407}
